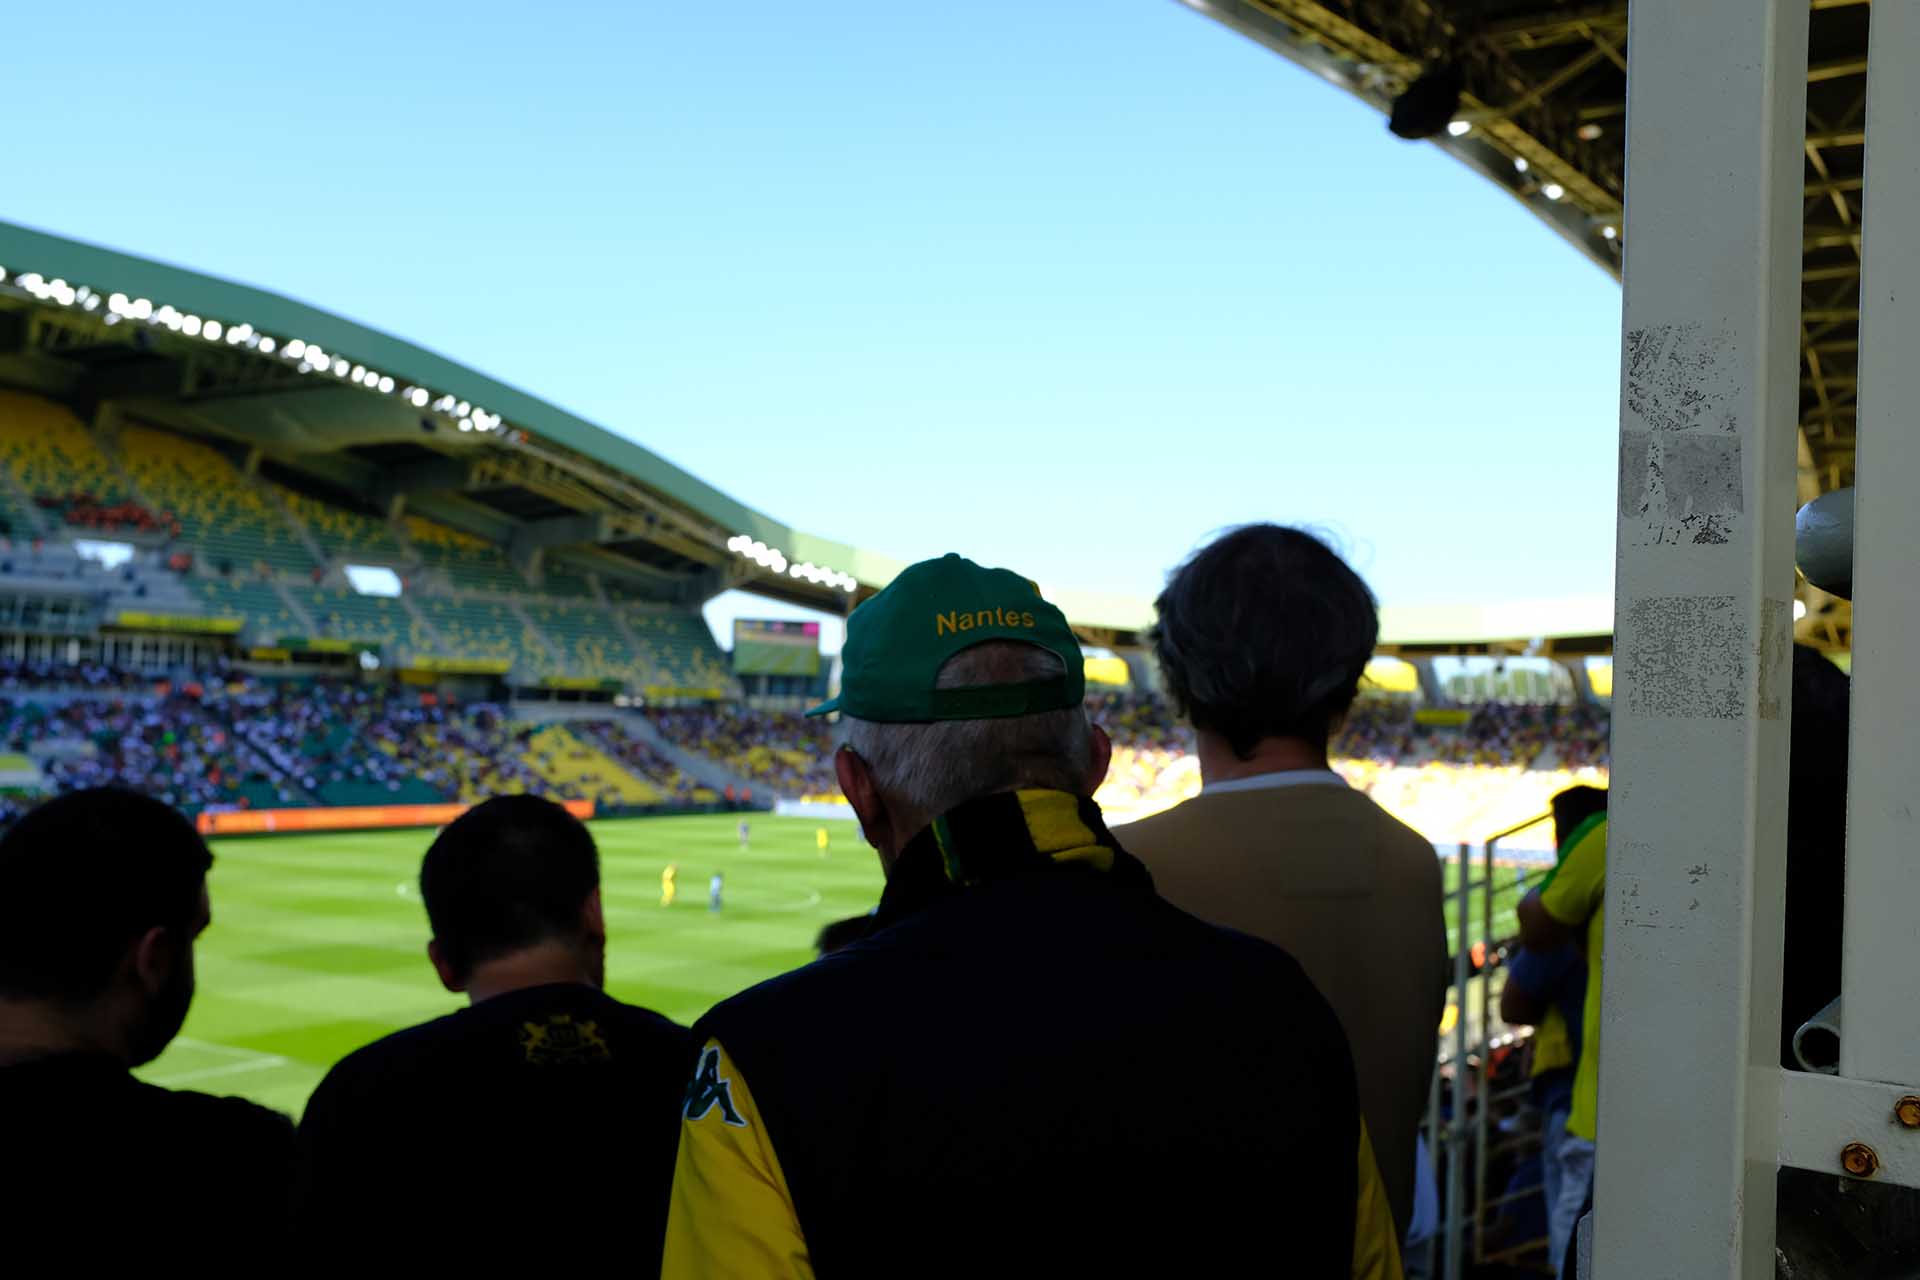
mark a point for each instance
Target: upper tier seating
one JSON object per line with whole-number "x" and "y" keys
{"x": 590, "y": 644}
{"x": 344, "y": 614}
{"x": 50, "y": 454}
{"x": 677, "y": 649}
{"x": 470, "y": 628}
{"x": 220, "y": 511}
{"x": 473, "y": 564}
{"x": 344, "y": 533}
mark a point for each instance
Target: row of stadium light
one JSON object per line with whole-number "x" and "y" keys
{"x": 308, "y": 357}
{"x": 1588, "y": 132}
{"x": 771, "y": 558}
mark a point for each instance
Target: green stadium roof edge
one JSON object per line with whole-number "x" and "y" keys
{"x": 106, "y": 287}
{"x": 204, "y": 354}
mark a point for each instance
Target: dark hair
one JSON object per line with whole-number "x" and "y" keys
{"x": 842, "y": 933}
{"x": 1265, "y": 633}
{"x": 1574, "y": 806}
{"x": 507, "y": 874}
{"x": 81, "y": 878}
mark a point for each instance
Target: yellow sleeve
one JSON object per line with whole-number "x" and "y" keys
{"x": 1574, "y": 891}
{"x": 731, "y": 1216}
{"x": 1376, "y": 1250}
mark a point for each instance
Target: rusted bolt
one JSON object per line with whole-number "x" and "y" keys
{"x": 1907, "y": 1111}
{"x": 1859, "y": 1159}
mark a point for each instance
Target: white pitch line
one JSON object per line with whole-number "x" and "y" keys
{"x": 231, "y": 1050}
{"x": 173, "y": 1079}
{"x": 812, "y": 900}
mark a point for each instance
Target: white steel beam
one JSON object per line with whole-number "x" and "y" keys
{"x": 1827, "y": 1124}
{"x": 1689, "y": 1079}
{"x": 1882, "y": 948}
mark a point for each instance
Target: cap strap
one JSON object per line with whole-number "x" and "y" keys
{"x": 995, "y": 701}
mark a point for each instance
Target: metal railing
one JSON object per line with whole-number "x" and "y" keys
{"x": 1465, "y": 1137}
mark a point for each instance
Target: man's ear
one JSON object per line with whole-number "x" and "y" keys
{"x": 448, "y": 978}
{"x": 154, "y": 957}
{"x": 856, "y": 782}
{"x": 593, "y": 916}
{"x": 1099, "y": 758}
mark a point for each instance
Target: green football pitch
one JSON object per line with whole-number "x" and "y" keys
{"x": 318, "y": 942}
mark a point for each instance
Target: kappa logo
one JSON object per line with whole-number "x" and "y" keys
{"x": 562, "y": 1041}
{"x": 710, "y": 1089}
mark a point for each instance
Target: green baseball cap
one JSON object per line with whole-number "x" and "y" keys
{"x": 898, "y": 641}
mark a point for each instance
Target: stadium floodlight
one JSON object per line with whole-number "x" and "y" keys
{"x": 266, "y": 346}
{"x": 1426, "y": 106}
{"x": 1520, "y": 164}
{"x": 211, "y": 330}
{"x": 419, "y": 397}
{"x": 1610, "y": 231}
{"x": 296, "y": 348}
{"x": 340, "y": 367}
{"x": 190, "y": 325}
{"x": 358, "y": 373}
{"x": 1553, "y": 191}
{"x": 466, "y": 424}
{"x": 1459, "y": 129}
{"x": 386, "y": 385}
{"x": 119, "y": 302}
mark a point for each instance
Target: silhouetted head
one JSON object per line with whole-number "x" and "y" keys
{"x": 102, "y": 893}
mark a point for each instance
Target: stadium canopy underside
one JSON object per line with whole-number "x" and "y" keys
{"x": 1543, "y": 116}
{"x": 364, "y": 420}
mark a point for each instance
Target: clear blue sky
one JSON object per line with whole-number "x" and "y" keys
{"x": 1062, "y": 286}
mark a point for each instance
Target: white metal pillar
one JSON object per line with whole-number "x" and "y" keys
{"x": 1882, "y": 1036}
{"x": 1689, "y": 1104}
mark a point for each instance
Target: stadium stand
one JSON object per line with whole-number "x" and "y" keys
{"x": 343, "y": 614}
{"x": 470, "y": 563}
{"x": 222, "y": 515}
{"x": 677, "y": 649}
{"x": 576, "y": 768}
{"x": 644, "y": 761}
{"x": 51, "y": 455}
{"x": 787, "y": 754}
{"x": 248, "y": 599}
{"x": 467, "y": 628}
{"x": 344, "y": 534}
{"x": 567, "y": 584}
{"x": 589, "y": 643}
{"x": 167, "y": 746}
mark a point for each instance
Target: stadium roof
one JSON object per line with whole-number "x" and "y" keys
{"x": 365, "y": 418}
{"x": 1542, "y": 115}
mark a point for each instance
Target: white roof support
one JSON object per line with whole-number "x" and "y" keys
{"x": 1881, "y": 1040}
{"x": 1689, "y": 1085}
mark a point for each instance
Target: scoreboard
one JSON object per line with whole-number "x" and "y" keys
{"x": 775, "y": 648}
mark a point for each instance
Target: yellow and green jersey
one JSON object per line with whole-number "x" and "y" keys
{"x": 1574, "y": 894}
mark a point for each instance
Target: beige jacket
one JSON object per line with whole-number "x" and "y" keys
{"x": 1318, "y": 868}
